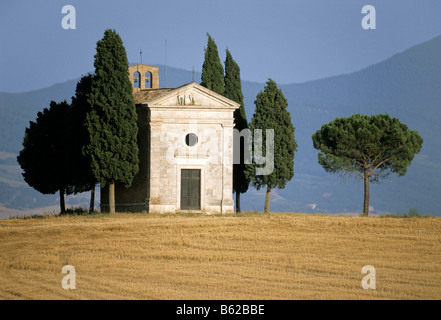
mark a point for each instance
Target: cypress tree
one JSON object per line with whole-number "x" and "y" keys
{"x": 212, "y": 70}
{"x": 80, "y": 162}
{"x": 44, "y": 154}
{"x": 233, "y": 91}
{"x": 112, "y": 120}
{"x": 271, "y": 113}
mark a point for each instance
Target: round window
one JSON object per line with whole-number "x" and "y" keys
{"x": 191, "y": 139}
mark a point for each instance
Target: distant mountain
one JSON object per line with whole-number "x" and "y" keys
{"x": 408, "y": 86}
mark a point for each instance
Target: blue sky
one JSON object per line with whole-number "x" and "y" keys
{"x": 289, "y": 41}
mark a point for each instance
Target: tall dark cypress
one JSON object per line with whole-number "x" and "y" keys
{"x": 212, "y": 70}
{"x": 233, "y": 91}
{"x": 44, "y": 155}
{"x": 79, "y": 162}
{"x": 112, "y": 120}
{"x": 271, "y": 113}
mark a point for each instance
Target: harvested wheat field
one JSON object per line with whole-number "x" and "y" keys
{"x": 254, "y": 256}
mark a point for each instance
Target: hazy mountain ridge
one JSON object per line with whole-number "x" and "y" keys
{"x": 408, "y": 85}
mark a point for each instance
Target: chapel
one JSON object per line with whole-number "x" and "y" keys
{"x": 185, "y": 139}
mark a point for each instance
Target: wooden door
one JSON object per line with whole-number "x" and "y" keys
{"x": 190, "y": 189}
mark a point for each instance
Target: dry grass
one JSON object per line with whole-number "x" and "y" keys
{"x": 286, "y": 256}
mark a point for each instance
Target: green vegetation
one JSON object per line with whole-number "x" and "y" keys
{"x": 370, "y": 146}
{"x": 44, "y": 156}
{"x": 212, "y": 69}
{"x": 271, "y": 113}
{"x": 80, "y": 162}
{"x": 52, "y": 158}
{"x": 233, "y": 91}
{"x": 61, "y": 153}
{"x": 112, "y": 120}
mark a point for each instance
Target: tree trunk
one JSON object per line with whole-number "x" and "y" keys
{"x": 237, "y": 201}
{"x": 366, "y": 194}
{"x": 92, "y": 200}
{"x": 62, "y": 203}
{"x": 112, "y": 197}
{"x": 267, "y": 199}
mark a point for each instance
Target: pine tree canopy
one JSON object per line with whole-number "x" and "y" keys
{"x": 379, "y": 143}
{"x": 370, "y": 146}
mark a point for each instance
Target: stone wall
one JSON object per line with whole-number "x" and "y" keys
{"x": 212, "y": 154}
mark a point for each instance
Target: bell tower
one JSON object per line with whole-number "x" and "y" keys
{"x": 143, "y": 76}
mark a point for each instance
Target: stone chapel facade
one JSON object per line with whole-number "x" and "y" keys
{"x": 185, "y": 138}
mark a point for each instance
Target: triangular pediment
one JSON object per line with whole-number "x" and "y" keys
{"x": 192, "y": 95}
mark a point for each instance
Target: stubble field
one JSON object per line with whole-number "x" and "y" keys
{"x": 255, "y": 256}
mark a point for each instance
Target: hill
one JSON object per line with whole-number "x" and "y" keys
{"x": 406, "y": 86}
